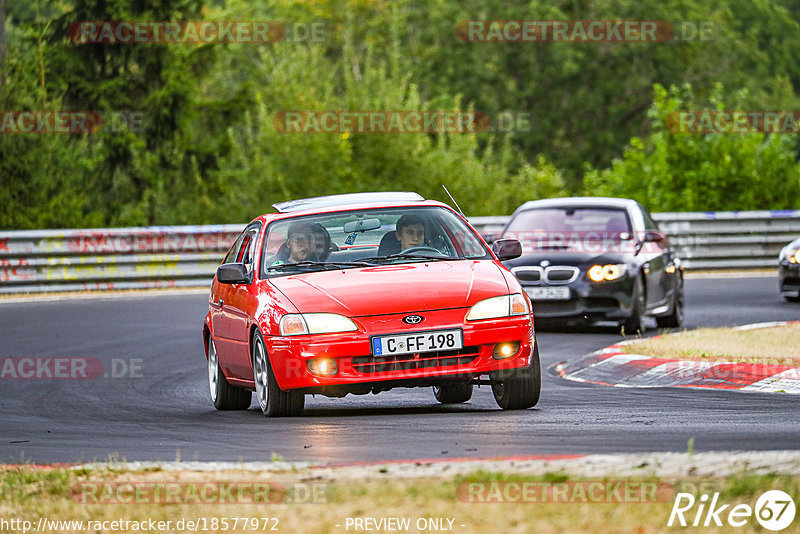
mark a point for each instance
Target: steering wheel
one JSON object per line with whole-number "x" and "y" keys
{"x": 412, "y": 250}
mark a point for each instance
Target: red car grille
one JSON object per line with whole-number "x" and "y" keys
{"x": 409, "y": 362}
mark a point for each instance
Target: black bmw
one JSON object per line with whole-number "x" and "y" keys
{"x": 789, "y": 271}
{"x": 595, "y": 259}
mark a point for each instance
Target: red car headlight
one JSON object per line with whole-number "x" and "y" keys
{"x": 296, "y": 324}
{"x": 496, "y": 307}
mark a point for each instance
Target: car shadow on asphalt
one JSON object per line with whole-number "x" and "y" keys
{"x": 352, "y": 411}
{"x": 575, "y": 328}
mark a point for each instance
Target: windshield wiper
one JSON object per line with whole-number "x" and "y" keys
{"x": 322, "y": 265}
{"x": 401, "y": 256}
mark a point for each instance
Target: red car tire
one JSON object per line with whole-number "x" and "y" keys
{"x": 518, "y": 389}
{"x": 273, "y": 401}
{"x": 453, "y": 394}
{"x": 223, "y": 395}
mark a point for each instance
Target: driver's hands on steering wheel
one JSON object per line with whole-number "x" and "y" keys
{"x": 423, "y": 248}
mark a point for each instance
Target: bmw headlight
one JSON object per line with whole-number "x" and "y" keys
{"x": 296, "y": 324}
{"x": 601, "y": 273}
{"x": 792, "y": 255}
{"x": 502, "y": 306}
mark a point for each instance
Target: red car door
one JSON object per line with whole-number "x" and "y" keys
{"x": 220, "y": 294}
{"x": 236, "y": 309}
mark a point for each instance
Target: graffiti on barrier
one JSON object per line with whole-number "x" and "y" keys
{"x": 105, "y": 243}
{"x": 15, "y": 269}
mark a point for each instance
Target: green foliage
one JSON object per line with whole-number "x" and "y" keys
{"x": 265, "y": 165}
{"x": 208, "y": 150}
{"x": 676, "y": 171}
{"x": 589, "y": 99}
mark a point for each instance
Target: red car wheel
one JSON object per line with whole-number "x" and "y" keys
{"x": 273, "y": 401}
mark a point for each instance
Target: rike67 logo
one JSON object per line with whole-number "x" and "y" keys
{"x": 774, "y": 510}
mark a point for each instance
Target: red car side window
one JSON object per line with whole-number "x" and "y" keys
{"x": 245, "y": 244}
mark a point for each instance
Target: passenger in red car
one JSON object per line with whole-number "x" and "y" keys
{"x": 322, "y": 242}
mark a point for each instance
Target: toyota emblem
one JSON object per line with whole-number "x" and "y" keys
{"x": 413, "y": 319}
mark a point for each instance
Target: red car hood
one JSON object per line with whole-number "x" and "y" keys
{"x": 400, "y": 288}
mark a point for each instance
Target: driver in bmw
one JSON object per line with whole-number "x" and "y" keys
{"x": 410, "y": 231}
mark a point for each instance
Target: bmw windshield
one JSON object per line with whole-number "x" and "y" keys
{"x": 588, "y": 229}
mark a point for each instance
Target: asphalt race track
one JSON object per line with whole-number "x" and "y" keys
{"x": 165, "y": 413}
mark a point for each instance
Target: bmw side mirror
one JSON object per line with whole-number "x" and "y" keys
{"x": 653, "y": 236}
{"x": 233, "y": 273}
{"x": 507, "y": 249}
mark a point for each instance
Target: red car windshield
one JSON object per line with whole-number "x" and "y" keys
{"x": 357, "y": 238}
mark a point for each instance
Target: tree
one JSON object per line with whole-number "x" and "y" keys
{"x": 670, "y": 170}
{"x": 2, "y": 42}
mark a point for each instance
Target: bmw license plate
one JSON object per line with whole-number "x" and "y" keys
{"x": 548, "y": 293}
{"x": 417, "y": 342}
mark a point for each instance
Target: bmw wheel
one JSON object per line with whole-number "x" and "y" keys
{"x": 635, "y": 323}
{"x": 675, "y": 317}
{"x": 223, "y": 395}
{"x": 273, "y": 401}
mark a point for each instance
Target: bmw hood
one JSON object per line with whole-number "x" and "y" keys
{"x": 576, "y": 259}
{"x": 388, "y": 289}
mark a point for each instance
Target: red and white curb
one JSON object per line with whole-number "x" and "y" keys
{"x": 612, "y": 366}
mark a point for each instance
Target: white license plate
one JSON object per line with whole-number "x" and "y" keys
{"x": 548, "y": 293}
{"x": 417, "y": 342}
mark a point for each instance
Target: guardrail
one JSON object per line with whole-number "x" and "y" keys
{"x": 187, "y": 256}
{"x": 119, "y": 258}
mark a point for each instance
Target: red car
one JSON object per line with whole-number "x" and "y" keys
{"x": 363, "y": 293}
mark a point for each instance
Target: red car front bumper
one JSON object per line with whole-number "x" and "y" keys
{"x": 356, "y": 365}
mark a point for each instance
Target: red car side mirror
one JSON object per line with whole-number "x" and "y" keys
{"x": 507, "y": 249}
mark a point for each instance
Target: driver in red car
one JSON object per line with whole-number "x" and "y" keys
{"x": 410, "y": 231}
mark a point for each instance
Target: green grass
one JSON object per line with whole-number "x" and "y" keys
{"x": 29, "y": 493}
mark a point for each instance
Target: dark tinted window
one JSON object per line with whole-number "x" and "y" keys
{"x": 571, "y": 220}
{"x": 569, "y": 227}
{"x": 649, "y": 223}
